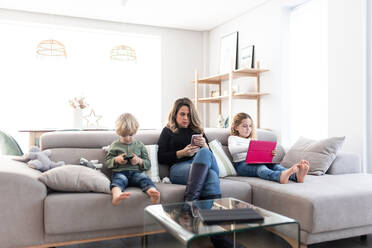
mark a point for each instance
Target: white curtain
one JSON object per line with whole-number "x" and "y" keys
{"x": 308, "y": 78}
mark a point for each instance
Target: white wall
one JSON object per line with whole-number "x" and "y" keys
{"x": 266, "y": 27}
{"x": 182, "y": 51}
{"x": 346, "y": 76}
{"x": 369, "y": 86}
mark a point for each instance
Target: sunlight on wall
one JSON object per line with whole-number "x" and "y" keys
{"x": 308, "y": 86}
{"x": 36, "y": 91}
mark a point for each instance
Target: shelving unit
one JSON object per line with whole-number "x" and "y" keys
{"x": 230, "y": 76}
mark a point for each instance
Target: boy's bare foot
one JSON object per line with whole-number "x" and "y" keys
{"x": 117, "y": 198}
{"x": 284, "y": 176}
{"x": 303, "y": 168}
{"x": 154, "y": 195}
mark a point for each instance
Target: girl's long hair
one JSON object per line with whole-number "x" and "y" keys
{"x": 195, "y": 123}
{"x": 238, "y": 118}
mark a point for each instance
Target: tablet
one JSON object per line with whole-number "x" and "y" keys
{"x": 260, "y": 152}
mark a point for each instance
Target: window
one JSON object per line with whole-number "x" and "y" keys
{"x": 36, "y": 90}
{"x": 308, "y": 77}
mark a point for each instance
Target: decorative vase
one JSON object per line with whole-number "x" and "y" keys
{"x": 77, "y": 118}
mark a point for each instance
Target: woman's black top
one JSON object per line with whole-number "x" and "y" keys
{"x": 169, "y": 143}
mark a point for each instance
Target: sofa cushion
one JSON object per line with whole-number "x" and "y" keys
{"x": 170, "y": 193}
{"x": 153, "y": 172}
{"x": 83, "y": 212}
{"x": 320, "y": 204}
{"x": 224, "y": 164}
{"x": 320, "y": 154}
{"x": 76, "y": 178}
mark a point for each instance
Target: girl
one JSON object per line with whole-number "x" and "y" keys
{"x": 242, "y": 131}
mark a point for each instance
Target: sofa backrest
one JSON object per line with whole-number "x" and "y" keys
{"x": 70, "y": 146}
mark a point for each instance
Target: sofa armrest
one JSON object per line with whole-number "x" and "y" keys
{"x": 345, "y": 163}
{"x": 21, "y": 203}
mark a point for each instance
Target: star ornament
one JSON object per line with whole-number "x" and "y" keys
{"x": 92, "y": 119}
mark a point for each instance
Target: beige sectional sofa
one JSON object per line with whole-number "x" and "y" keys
{"x": 333, "y": 206}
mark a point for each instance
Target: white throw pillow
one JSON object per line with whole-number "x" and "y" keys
{"x": 153, "y": 172}
{"x": 224, "y": 164}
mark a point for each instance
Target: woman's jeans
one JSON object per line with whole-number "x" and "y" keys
{"x": 132, "y": 178}
{"x": 265, "y": 171}
{"x": 179, "y": 172}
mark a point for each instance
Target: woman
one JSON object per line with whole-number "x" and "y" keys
{"x": 190, "y": 160}
{"x": 191, "y": 163}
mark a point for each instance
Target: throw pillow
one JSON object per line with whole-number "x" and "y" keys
{"x": 320, "y": 154}
{"x": 106, "y": 148}
{"x": 76, "y": 178}
{"x": 225, "y": 166}
{"x": 153, "y": 172}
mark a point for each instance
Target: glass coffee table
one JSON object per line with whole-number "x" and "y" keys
{"x": 182, "y": 221}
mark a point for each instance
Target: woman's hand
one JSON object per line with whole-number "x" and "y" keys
{"x": 188, "y": 151}
{"x": 136, "y": 160}
{"x": 200, "y": 141}
{"x": 120, "y": 159}
{"x": 274, "y": 152}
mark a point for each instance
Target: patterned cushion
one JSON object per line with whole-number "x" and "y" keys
{"x": 224, "y": 164}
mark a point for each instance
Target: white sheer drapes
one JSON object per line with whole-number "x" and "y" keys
{"x": 35, "y": 91}
{"x": 308, "y": 71}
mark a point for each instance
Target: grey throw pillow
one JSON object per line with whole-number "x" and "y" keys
{"x": 320, "y": 154}
{"x": 76, "y": 178}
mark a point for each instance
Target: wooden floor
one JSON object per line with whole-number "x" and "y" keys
{"x": 267, "y": 240}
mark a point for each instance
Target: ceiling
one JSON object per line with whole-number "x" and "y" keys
{"x": 200, "y": 15}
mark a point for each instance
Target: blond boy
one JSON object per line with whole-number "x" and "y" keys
{"x": 128, "y": 158}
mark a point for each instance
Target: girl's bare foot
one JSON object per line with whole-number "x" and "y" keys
{"x": 284, "y": 176}
{"x": 117, "y": 198}
{"x": 303, "y": 168}
{"x": 154, "y": 195}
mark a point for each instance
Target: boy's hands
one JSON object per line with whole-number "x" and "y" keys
{"x": 133, "y": 161}
{"x": 136, "y": 160}
{"x": 120, "y": 159}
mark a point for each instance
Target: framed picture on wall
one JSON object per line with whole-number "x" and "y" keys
{"x": 246, "y": 58}
{"x": 229, "y": 52}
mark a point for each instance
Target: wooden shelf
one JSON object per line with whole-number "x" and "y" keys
{"x": 218, "y": 99}
{"x": 250, "y": 95}
{"x": 230, "y": 76}
{"x": 215, "y": 99}
{"x": 244, "y": 72}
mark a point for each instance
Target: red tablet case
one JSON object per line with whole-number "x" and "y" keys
{"x": 260, "y": 152}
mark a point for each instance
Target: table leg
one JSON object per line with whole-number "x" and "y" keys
{"x": 144, "y": 240}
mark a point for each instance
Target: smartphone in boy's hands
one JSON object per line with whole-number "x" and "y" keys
{"x": 194, "y": 137}
{"x": 127, "y": 157}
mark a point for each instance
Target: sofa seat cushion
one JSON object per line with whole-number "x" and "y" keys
{"x": 171, "y": 193}
{"x": 321, "y": 203}
{"x": 82, "y": 212}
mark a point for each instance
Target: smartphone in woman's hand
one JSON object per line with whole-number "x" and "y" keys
{"x": 193, "y": 137}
